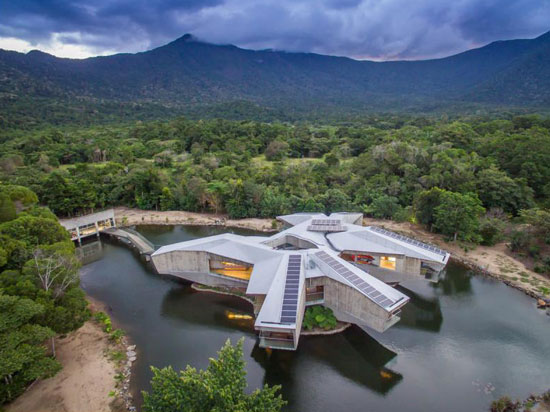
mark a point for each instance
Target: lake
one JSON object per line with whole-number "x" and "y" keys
{"x": 460, "y": 343}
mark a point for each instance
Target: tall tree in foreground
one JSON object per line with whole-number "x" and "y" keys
{"x": 218, "y": 388}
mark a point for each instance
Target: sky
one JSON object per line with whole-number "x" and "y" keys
{"x": 362, "y": 29}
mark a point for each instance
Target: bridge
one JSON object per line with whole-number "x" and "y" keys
{"x": 133, "y": 238}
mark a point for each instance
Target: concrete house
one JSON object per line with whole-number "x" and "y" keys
{"x": 333, "y": 261}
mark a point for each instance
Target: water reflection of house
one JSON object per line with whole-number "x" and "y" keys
{"x": 318, "y": 260}
{"x": 359, "y": 358}
{"x": 421, "y": 313}
{"x": 90, "y": 252}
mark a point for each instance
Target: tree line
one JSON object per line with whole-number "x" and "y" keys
{"x": 467, "y": 178}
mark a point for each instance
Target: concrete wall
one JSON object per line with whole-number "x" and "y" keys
{"x": 292, "y": 240}
{"x": 349, "y": 305}
{"x": 407, "y": 267}
{"x": 194, "y": 267}
{"x": 300, "y": 315}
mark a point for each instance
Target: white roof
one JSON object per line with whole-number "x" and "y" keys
{"x": 376, "y": 240}
{"x": 268, "y": 276}
{"x": 87, "y": 219}
{"x": 297, "y": 218}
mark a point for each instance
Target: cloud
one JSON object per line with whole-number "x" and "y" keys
{"x": 379, "y": 29}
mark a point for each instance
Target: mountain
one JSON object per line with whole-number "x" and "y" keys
{"x": 188, "y": 72}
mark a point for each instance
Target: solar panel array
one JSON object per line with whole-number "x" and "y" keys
{"x": 290, "y": 299}
{"x": 409, "y": 240}
{"x": 372, "y": 293}
{"x": 326, "y": 225}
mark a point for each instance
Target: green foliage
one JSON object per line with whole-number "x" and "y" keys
{"x": 104, "y": 320}
{"x": 221, "y": 387}
{"x": 23, "y": 357}
{"x": 491, "y": 231}
{"x": 457, "y": 216}
{"x": 383, "y": 165}
{"x": 505, "y": 404}
{"x": 39, "y": 293}
{"x": 7, "y": 208}
{"x": 319, "y": 317}
{"x": 117, "y": 335}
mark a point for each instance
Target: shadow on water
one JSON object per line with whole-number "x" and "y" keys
{"x": 421, "y": 312}
{"x": 359, "y": 358}
{"x": 184, "y": 305}
{"x": 456, "y": 281}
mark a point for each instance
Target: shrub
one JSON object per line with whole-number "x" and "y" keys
{"x": 320, "y": 317}
{"x": 104, "y": 320}
{"x": 117, "y": 335}
{"x": 491, "y": 231}
{"x": 519, "y": 240}
{"x": 505, "y": 404}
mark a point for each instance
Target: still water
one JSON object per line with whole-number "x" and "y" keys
{"x": 460, "y": 343}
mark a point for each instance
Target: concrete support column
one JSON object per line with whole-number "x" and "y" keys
{"x": 78, "y": 236}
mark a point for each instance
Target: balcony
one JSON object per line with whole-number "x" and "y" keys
{"x": 315, "y": 298}
{"x": 275, "y": 340}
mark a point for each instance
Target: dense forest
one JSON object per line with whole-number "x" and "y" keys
{"x": 471, "y": 179}
{"x": 40, "y": 295}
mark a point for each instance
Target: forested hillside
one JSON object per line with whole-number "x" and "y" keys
{"x": 467, "y": 179}
{"x": 188, "y": 73}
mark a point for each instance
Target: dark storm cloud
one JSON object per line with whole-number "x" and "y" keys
{"x": 357, "y": 28}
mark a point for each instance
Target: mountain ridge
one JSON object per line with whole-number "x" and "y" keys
{"x": 189, "y": 72}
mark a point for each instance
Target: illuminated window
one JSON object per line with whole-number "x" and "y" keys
{"x": 231, "y": 269}
{"x": 387, "y": 262}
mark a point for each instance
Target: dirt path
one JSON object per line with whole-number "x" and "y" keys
{"x": 84, "y": 383}
{"x": 127, "y": 216}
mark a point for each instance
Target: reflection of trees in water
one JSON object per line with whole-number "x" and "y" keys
{"x": 185, "y": 305}
{"x": 353, "y": 354}
{"x": 421, "y": 312}
{"x": 455, "y": 281}
{"x": 165, "y": 234}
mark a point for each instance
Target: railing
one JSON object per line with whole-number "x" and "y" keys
{"x": 314, "y": 297}
{"x": 139, "y": 235}
{"x": 275, "y": 343}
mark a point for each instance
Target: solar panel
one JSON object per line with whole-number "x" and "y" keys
{"x": 368, "y": 290}
{"x": 326, "y": 225}
{"x": 292, "y": 285}
{"x": 410, "y": 241}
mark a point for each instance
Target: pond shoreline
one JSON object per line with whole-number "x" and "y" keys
{"x": 88, "y": 346}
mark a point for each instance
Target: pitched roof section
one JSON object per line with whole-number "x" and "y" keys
{"x": 377, "y": 240}
{"x": 297, "y": 218}
{"x": 377, "y": 291}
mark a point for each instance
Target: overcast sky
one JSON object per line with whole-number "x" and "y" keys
{"x": 374, "y": 29}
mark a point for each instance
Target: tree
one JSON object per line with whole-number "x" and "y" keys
{"x": 496, "y": 189}
{"x": 221, "y": 387}
{"x": 276, "y": 150}
{"x": 425, "y": 204}
{"x": 458, "y": 216}
{"x": 539, "y": 219}
{"x": 56, "y": 269}
{"x": 167, "y": 201}
{"x": 23, "y": 355}
{"x": 383, "y": 207}
{"x": 7, "y": 208}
